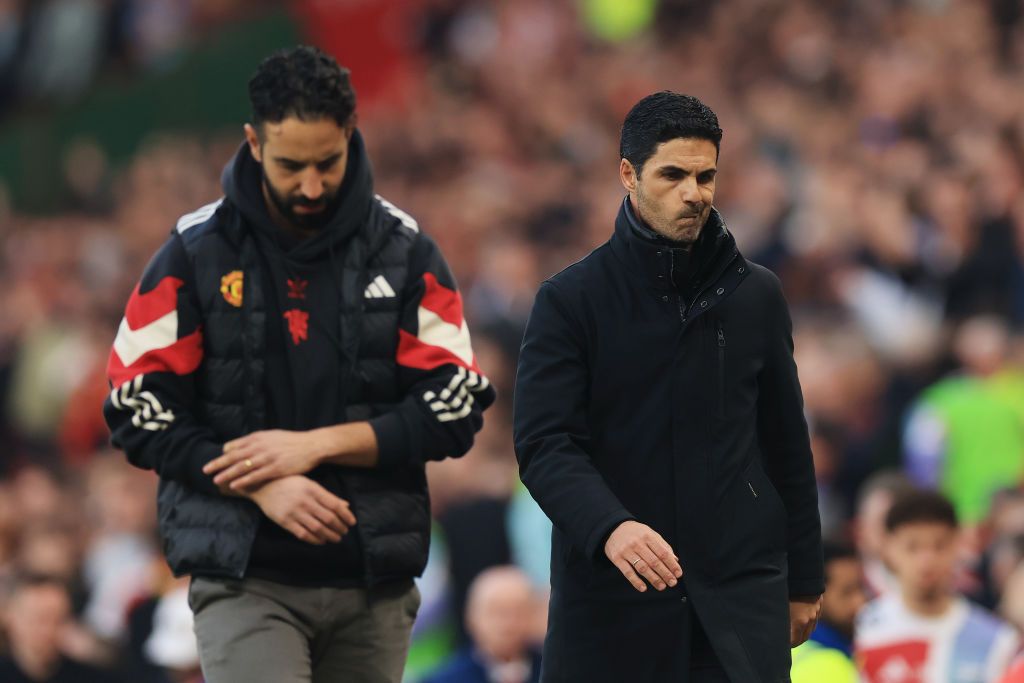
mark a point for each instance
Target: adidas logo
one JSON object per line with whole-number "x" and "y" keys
{"x": 379, "y": 289}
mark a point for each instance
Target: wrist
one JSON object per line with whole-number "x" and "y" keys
{"x": 321, "y": 445}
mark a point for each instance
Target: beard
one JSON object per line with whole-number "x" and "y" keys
{"x": 318, "y": 220}
{"x": 666, "y": 226}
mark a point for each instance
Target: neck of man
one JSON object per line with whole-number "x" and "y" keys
{"x": 282, "y": 221}
{"x": 928, "y": 603}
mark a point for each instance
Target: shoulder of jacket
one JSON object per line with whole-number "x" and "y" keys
{"x": 576, "y": 275}
{"x": 192, "y": 226}
{"x": 398, "y": 219}
{"x": 764, "y": 274}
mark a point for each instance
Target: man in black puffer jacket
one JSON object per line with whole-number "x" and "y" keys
{"x": 291, "y": 358}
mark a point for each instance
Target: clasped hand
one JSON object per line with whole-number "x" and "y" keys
{"x": 265, "y": 467}
{"x": 263, "y": 456}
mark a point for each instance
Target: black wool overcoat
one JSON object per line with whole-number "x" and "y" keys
{"x": 673, "y": 401}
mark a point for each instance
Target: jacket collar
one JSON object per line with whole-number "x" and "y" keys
{"x": 716, "y": 265}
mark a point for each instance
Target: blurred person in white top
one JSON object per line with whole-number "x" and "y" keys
{"x": 926, "y": 632}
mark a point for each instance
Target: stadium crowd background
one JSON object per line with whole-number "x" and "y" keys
{"x": 873, "y": 157}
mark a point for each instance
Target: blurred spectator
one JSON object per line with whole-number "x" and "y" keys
{"x": 36, "y": 618}
{"x": 500, "y": 617}
{"x": 965, "y": 435}
{"x": 927, "y": 631}
{"x": 828, "y": 654}
{"x": 121, "y": 550}
{"x": 876, "y": 498}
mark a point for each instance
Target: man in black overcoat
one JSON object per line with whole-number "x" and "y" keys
{"x": 659, "y": 423}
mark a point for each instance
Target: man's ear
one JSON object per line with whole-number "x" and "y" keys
{"x": 627, "y": 175}
{"x": 253, "y": 138}
{"x": 350, "y": 127}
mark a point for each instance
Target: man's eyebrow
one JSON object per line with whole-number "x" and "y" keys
{"x": 296, "y": 162}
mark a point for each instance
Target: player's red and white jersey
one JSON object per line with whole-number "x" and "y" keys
{"x": 965, "y": 645}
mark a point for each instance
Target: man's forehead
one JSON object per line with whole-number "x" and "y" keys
{"x": 686, "y": 153}
{"x": 297, "y": 139}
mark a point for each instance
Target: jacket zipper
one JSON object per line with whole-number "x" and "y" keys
{"x": 721, "y": 371}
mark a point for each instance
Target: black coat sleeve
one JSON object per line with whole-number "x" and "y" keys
{"x": 152, "y": 366}
{"x": 785, "y": 444}
{"x": 550, "y": 428}
{"x": 445, "y": 391}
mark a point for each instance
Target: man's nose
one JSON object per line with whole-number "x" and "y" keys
{"x": 688, "y": 190}
{"x": 312, "y": 186}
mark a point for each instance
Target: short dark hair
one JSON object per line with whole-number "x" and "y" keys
{"x": 304, "y": 82}
{"x": 920, "y": 506}
{"x": 838, "y": 550}
{"x": 664, "y": 116}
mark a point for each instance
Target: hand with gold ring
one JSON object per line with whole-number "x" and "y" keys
{"x": 643, "y": 556}
{"x": 260, "y": 457}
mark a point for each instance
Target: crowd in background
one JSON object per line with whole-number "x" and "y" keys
{"x": 873, "y": 157}
{"x": 54, "y": 50}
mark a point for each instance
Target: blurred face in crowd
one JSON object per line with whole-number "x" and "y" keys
{"x": 674, "y": 191}
{"x": 498, "y": 616}
{"x": 35, "y": 619}
{"x": 845, "y": 594}
{"x": 303, "y": 168}
{"x": 923, "y": 557}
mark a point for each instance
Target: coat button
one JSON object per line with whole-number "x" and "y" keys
{"x": 659, "y": 253}
{"x": 720, "y": 291}
{"x": 682, "y": 599}
{"x": 661, "y": 277}
{"x": 741, "y": 269}
{"x": 665, "y": 299}
{"x": 703, "y": 304}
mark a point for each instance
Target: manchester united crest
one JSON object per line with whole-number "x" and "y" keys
{"x": 231, "y": 287}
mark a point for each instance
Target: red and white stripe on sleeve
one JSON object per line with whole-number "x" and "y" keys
{"x": 442, "y": 336}
{"x": 149, "y": 340}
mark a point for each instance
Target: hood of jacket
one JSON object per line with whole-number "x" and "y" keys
{"x": 242, "y": 181}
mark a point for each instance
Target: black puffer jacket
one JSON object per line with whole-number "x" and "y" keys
{"x": 187, "y": 371}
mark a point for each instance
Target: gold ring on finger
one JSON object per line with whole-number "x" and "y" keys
{"x": 633, "y": 563}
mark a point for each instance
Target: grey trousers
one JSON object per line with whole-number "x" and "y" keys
{"x": 263, "y": 632}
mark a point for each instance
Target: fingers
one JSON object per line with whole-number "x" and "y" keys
{"x": 328, "y": 527}
{"x": 300, "y": 532}
{"x": 222, "y": 462}
{"x": 668, "y": 558}
{"x": 800, "y": 630}
{"x": 337, "y": 506}
{"x": 631, "y": 576}
{"x": 234, "y": 472}
{"x": 254, "y": 477}
{"x": 641, "y": 554}
{"x": 656, "y": 572}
